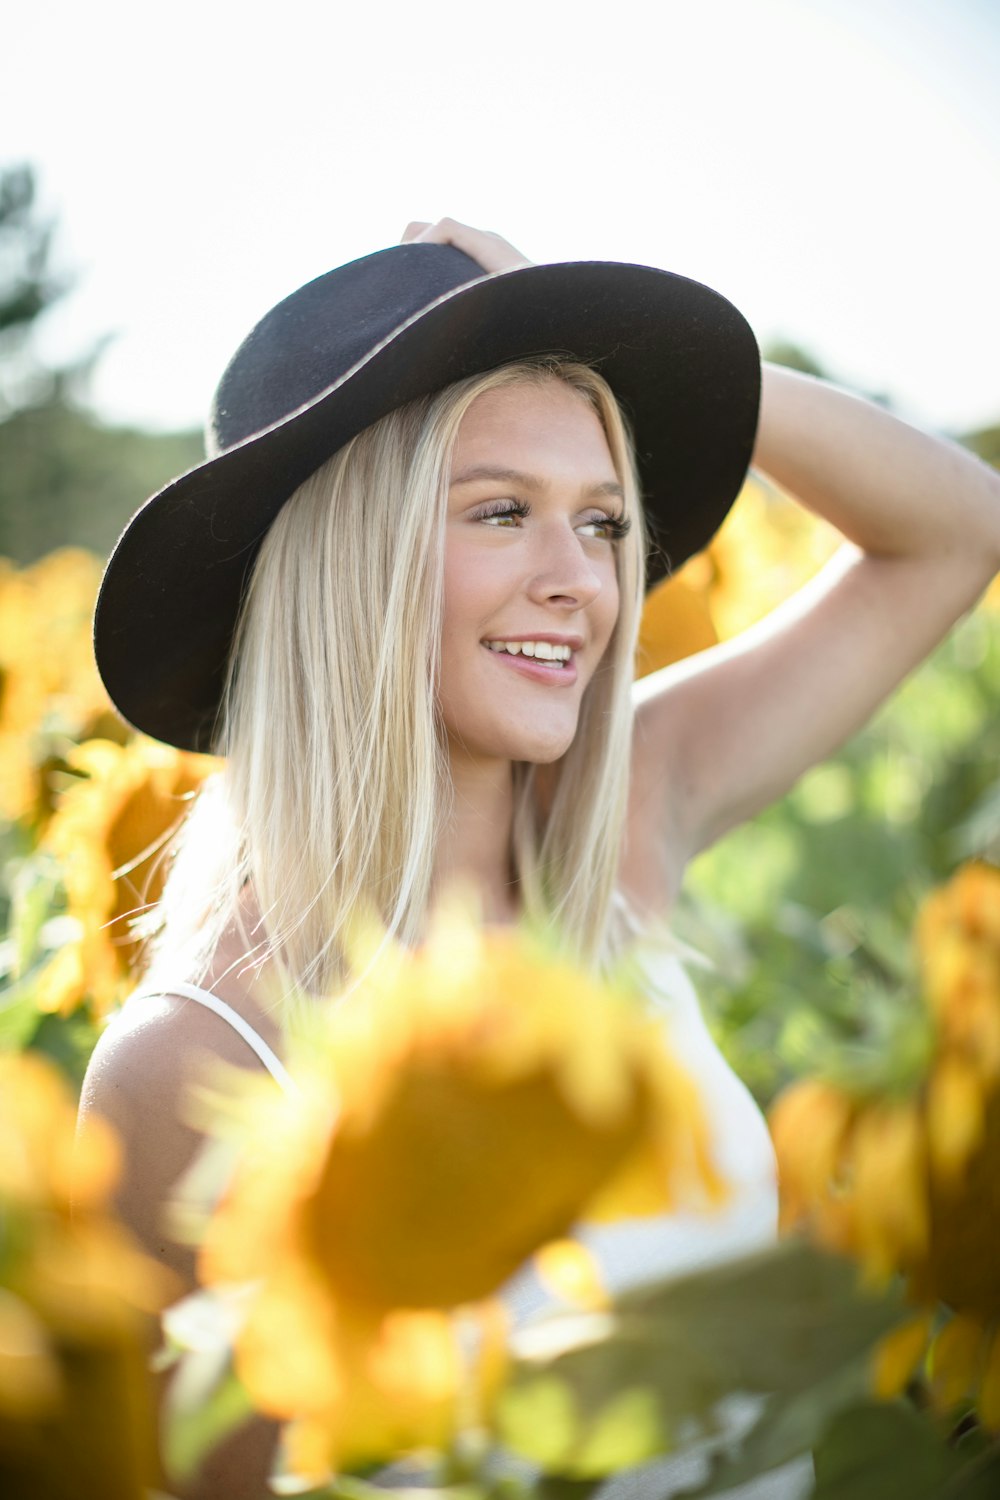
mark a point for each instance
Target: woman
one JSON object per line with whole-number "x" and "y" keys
{"x": 419, "y": 663}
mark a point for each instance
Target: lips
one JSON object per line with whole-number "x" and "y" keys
{"x": 551, "y": 673}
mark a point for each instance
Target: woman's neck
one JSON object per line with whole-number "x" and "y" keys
{"x": 475, "y": 847}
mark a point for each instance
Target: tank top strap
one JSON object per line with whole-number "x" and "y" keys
{"x": 253, "y": 1039}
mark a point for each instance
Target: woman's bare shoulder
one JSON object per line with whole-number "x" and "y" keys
{"x": 139, "y": 1080}
{"x": 154, "y": 1048}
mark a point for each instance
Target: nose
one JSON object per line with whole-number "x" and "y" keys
{"x": 564, "y": 573}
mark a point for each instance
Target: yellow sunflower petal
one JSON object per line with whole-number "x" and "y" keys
{"x": 809, "y": 1123}
{"x": 988, "y": 1404}
{"x": 889, "y": 1190}
{"x": 955, "y": 1116}
{"x": 676, "y": 622}
{"x": 898, "y": 1355}
{"x": 30, "y": 1382}
{"x": 570, "y": 1271}
{"x": 955, "y": 1358}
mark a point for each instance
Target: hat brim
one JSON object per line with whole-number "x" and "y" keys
{"x": 680, "y": 358}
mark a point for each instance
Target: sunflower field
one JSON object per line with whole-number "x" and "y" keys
{"x": 470, "y": 1103}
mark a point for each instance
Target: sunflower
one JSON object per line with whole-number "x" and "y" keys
{"x": 910, "y": 1183}
{"x": 676, "y": 622}
{"x": 766, "y": 549}
{"x": 109, "y": 834}
{"x": 50, "y": 692}
{"x": 476, "y": 1099}
{"x": 76, "y": 1300}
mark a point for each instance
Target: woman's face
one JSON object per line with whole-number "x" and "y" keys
{"x": 529, "y": 565}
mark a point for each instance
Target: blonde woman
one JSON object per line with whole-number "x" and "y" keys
{"x": 401, "y": 597}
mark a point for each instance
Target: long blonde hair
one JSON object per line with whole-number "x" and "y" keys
{"x": 337, "y": 782}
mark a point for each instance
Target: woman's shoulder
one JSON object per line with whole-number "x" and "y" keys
{"x": 139, "y": 1080}
{"x": 162, "y": 1028}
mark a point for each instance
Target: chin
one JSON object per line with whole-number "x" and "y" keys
{"x": 533, "y": 744}
{"x": 540, "y": 748}
{"x": 548, "y": 754}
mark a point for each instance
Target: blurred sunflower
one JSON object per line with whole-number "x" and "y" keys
{"x": 109, "y": 834}
{"x": 50, "y": 692}
{"x": 766, "y": 549}
{"x": 910, "y": 1183}
{"x": 475, "y": 1100}
{"x": 75, "y": 1302}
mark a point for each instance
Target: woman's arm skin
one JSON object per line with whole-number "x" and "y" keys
{"x": 733, "y": 728}
{"x": 139, "y": 1079}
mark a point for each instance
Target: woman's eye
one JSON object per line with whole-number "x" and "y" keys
{"x": 504, "y": 513}
{"x": 606, "y": 528}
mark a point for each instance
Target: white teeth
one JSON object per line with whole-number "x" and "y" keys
{"x": 541, "y": 650}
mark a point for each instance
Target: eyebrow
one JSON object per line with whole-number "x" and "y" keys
{"x": 607, "y": 488}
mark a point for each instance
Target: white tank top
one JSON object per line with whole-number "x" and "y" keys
{"x": 253, "y": 1038}
{"x": 633, "y": 1250}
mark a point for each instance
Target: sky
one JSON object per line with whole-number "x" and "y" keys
{"x": 831, "y": 166}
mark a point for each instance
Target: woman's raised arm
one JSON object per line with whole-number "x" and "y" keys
{"x": 728, "y": 731}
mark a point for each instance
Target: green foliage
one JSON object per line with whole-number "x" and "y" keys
{"x": 205, "y": 1400}
{"x": 793, "y": 357}
{"x": 986, "y": 442}
{"x": 27, "y": 287}
{"x": 66, "y": 479}
{"x": 805, "y": 915}
{"x": 873, "y": 1450}
{"x": 746, "y": 1364}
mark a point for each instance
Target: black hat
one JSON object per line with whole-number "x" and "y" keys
{"x": 354, "y": 345}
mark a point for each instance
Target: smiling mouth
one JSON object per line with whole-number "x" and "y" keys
{"x": 543, "y": 653}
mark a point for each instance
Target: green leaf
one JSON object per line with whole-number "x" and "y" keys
{"x": 978, "y": 1480}
{"x": 18, "y": 1017}
{"x": 37, "y": 886}
{"x": 781, "y": 1323}
{"x": 979, "y": 831}
{"x": 788, "y": 1428}
{"x": 538, "y": 1421}
{"x": 627, "y": 1431}
{"x": 871, "y": 1452}
{"x": 205, "y": 1402}
{"x": 67, "y": 1041}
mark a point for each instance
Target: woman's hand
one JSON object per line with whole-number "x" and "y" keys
{"x": 491, "y": 251}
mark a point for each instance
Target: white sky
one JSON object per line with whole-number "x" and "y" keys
{"x": 830, "y": 165}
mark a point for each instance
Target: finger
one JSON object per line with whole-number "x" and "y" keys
{"x": 491, "y": 251}
{"x": 414, "y": 230}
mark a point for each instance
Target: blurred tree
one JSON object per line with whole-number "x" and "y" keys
{"x": 794, "y": 357}
{"x": 68, "y": 480}
{"x": 986, "y": 442}
{"x": 28, "y": 287}
{"x": 65, "y": 477}
{"x": 784, "y": 352}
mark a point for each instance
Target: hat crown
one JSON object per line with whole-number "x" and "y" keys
{"x": 311, "y": 339}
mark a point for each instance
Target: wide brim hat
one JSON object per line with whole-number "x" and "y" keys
{"x": 361, "y": 341}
